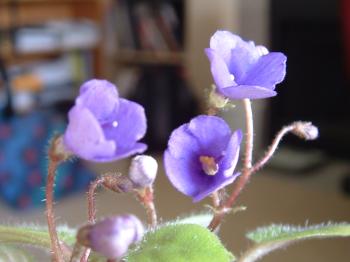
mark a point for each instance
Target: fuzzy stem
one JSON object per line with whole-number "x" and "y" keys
{"x": 215, "y": 199}
{"x": 92, "y": 210}
{"x": 247, "y": 164}
{"x": 91, "y": 198}
{"x": 146, "y": 197}
{"x": 55, "y": 244}
{"x": 150, "y": 208}
{"x": 77, "y": 252}
{"x": 272, "y": 148}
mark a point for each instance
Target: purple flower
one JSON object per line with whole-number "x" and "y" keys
{"x": 112, "y": 236}
{"x": 242, "y": 70}
{"x": 201, "y": 156}
{"x": 103, "y": 127}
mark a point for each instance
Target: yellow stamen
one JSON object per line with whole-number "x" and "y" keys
{"x": 209, "y": 166}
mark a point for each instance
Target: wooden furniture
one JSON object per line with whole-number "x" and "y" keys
{"x": 17, "y": 13}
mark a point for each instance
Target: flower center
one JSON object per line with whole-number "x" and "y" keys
{"x": 209, "y": 166}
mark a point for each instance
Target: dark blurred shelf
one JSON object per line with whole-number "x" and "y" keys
{"x": 150, "y": 57}
{"x": 14, "y": 57}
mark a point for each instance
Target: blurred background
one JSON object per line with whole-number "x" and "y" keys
{"x": 153, "y": 51}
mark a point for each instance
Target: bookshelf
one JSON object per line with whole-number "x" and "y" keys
{"x": 149, "y": 62}
{"x": 20, "y": 13}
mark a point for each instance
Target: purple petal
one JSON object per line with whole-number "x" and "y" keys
{"x": 127, "y": 126}
{"x": 100, "y": 97}
{"x": 267, "y": 72}
{"x": 245, "y": 91}
{"x": 222, "y": 42}
{"x": 184, "y": 173}
{"x": 85, "y": 137}
{"x": 230, "y": 158}
{"x": 182, "y": 144}
{"x": 219, "y": 69}
{"x": 220, "y": 183}
{"x": 243, "y": 57}
{"x": 212, "y": 134}
{"x": 137, "y": 148}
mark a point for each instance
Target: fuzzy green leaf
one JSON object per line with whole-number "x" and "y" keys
{"x": 275, "y": 236}
{"x": 34, "y": 235}
{"x": 202, "y": 219}
{"x": 180, "y": 243}
{"x": 14, "y": 254}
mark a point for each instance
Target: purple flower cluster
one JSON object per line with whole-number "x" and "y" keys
{"x": 242, "y": 70}
{"x": 103, "y": 127}
{"x": 201, "y": 156}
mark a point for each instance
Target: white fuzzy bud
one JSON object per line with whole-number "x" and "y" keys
{"x": 143, "y": 170}
{"x": 305, "y": 130}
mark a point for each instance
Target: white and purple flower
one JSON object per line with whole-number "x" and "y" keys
{"x": 242, "y": 70}
{"x": 103, "y": 127}
{"x": 201, "y": 156}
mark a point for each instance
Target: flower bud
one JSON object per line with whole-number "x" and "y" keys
{"x": 118, "y": 183}
{"x": 143, "y": 171}
{"x": 305, "y": 130}
{"x": 112, "y": 236}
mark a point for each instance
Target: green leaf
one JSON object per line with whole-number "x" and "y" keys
{"x": 34, "y": 235}
{"x": 14, "y": 254}
{"x": 202, "y": 219}
{"x": 180, "y": 243}
{"x": 275, "y": 236}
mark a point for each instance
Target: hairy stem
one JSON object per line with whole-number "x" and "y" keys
{"x": 247, "y": 164}
{"x": 55, "y": 244}
{"x": 77, "y": 252}
{"x": 272, "y": 148}
{"x": 146, "y": 197}
{"x": 91, "y": 198}
{"x": 91, "y": 211}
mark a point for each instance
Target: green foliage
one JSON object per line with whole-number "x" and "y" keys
{"x": 14, "y": 254}
{"x": 180, "y": 243}
{"x": 34, "y": 235}
{"x": 275, "y": 236}
{"x": 202, "y": 219}
{"x": 289, "y": 233}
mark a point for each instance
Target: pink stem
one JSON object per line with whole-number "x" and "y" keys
{"x": 247, "y": 164}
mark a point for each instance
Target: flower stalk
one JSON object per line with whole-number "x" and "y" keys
{"x": 244, "y": 178}
{"x": 146, "y": 197}
{"x": 57, "y": 155}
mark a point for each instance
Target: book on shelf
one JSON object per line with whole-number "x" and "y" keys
{"x": 147, "y": 25}
{"x": 56, "y": 35}
{"x": 43, "y": 83}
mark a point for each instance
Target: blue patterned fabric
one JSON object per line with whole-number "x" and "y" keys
{"x": 24, "y": 142}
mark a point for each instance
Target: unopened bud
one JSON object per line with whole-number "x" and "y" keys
{"x": 305, "y": 130}
{"x": 112, "y": 236}
{"x": 118, "y": 183}
{"x": 143, "y": 171}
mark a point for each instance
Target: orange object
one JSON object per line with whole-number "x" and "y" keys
{"x": 27, "y": 82}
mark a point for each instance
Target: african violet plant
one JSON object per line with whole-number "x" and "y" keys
{"x": 200, "y": 162}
